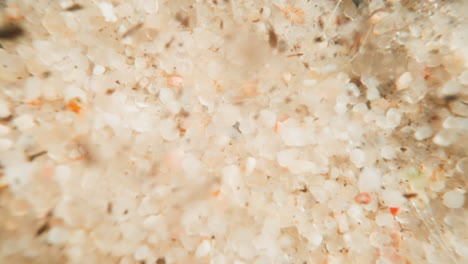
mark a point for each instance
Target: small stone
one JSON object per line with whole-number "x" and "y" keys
{"x": 250, "y": 165}
{"x": 107, "y": 10}
{"x": 148, "y": 206}
{"x": 445, "y": 138}
{"x": 301, "y": 166}
{"x": 392, "y": 198}
{"x": 384, "y": 219}
{"x": 168, "y": 129}
{"x": 295, "y": 136}
{"x": 404, "y": 81}
{"x": 24, "y": 122}
{"x": 450, "y": 88}
{"x": 358, "y": 157}
{"x": 456, "y": 123}
{"x": 5, "y": 144}
{"x": 369, "y": 180}
{"x": 98, "y": 69}
{"x": 352, "y": 87}
{"x": 4, "y": 130}
{"x": 286, "y": 157}
{"x": 463, "y": 78}
{"x": 388, "y": 152}
{"x": 394, "y": 117}
{"x": 203, "y": 249}
{"x": 142, "y": 253}
{"x": 191, "y": 166}
{"x": 268, "y": 118}
{"x": 62, "y": 174}
{"x": 373, "y": 93}
{"x": 454, "y": 198}
{"x": 462, "y": 165}
{"x": 423, "y": 132}
{"x": 57, "y": 235}
{"x": 4, "y": 109}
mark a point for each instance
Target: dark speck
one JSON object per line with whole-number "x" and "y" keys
{"x": 236, "y": 126}
{"x": 183, "y": 19}
{"x": 43, "y": 229}
{"x": 74, "y": 7}
{"x": 403, "y": 149}
{"x": 11, "y": 31}
{"x": 368, "y": 104}
{"x": 410, "y": 195}
{"x": 46, "y": 74}
{"x": 132, "y": 30}
{"x": 109, "y": 208}
{"x": 34, "y": 156}
{"x": 450, "y": 98}
{"x": 161, "y": 261}
{"x": 272, "y": 38}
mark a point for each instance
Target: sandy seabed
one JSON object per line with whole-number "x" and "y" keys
{"x": 154, "y": 132}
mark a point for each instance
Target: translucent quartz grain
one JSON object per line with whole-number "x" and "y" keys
{"x": 454, "y": 198}
{"x": 369, "y": 179}
{"x": 462, "y": 165}
{"x": 423, "y": 132}
{"x": 388, "y": 152}
{"x": 203, "y": 249}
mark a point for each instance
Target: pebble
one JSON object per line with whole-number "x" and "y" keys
{"x": 203, "y": 249}
{"x": 62, "y": 174}
{"x": 358, "y": 157}
{"x": 57, "y": 235}
{"x": 369, "y": 179}
{"x": 384, "y": 219}
{"x": 445, "y": 138}
{"x": 24, "y": 122}
{"x": 456, "y": 123}
{"x": 394, "y": 117}
{"x": 98, "y": 69}
{"x": 4, "y": 130}
{"x": 463, "y": 78}
{"x": 168, "y": 129}
{"x": 454, "y": 198}
{"x": 450, "y": 88}
{"x": 191, "y": 166}
{"x": 107, "y": 10}
{"x": 148, "y": 206}
{"x": 4, "y": 109}
{"x": 295, "y": 136}
{"x": 392, "y": 198}
{"x": 250, "y": 165}
{"x": 286, "y": 157}
{"x": 423, "y": 132}
{"x": 166, "y": 95}
{"x": 388, "y": 152}
{"x": 5, "y": 144}
{"x": 142, "y": 253}
{"x": 404, "y": 81}
{"x": 268, "y": 118}
{"x": 462, "y": 165}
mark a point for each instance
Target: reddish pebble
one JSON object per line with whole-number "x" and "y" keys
{"x": 175, "y": 81}
{"x": 363, "y": 198}
{"x": 394, "y": 210}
